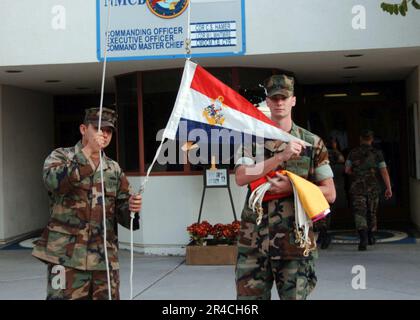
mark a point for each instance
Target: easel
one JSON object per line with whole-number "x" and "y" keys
{"x": 210, "y": 184}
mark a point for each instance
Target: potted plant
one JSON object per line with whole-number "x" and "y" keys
{"x": 212, "y": 245}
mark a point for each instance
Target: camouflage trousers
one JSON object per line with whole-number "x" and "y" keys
{"x": 364, "y": 208}
{"x": 82, "y": 285}
{"x": 255, "y": 274}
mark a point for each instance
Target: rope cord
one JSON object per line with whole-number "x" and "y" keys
{"x": 131, "y": 254}
{"x": 188, "y": 39}
{"x": 101, "y": 156}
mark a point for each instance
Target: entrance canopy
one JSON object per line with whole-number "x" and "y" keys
{"x": 309, "y": 68}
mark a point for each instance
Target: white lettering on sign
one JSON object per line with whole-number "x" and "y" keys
{"x": 213, "y": 43}
{"x": 213, "y": 34}
{"x": 213, "y": 26}
{"x": 145, "y": 39}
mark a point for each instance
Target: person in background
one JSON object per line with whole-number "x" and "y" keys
{"x": 362, "y": 165}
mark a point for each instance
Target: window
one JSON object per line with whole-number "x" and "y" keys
{"x": 250, "y": 82}
{"x": 159, "y": 89}
{"x": 128, "y": 123}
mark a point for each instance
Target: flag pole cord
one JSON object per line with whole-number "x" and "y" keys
{"x": 101, "y": 156}
{"x": 188, "y": 39}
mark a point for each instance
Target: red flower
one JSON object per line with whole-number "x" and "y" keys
{"x": 199, "y": 231}
{"x": 217, "y": 231}
{"x": 222, "y": 232}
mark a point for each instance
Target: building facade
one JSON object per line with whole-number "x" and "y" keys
{"x": 355, "y": 66}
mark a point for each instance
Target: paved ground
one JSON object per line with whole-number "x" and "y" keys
{"x": 392, "y": 272}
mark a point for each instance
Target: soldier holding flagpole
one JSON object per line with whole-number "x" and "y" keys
{"x": 73, "y": 241}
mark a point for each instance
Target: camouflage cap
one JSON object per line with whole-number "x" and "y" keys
{"x": 109, "y": 117}
{"x": 280, "y": 84}
{"x": 367, "y": 134}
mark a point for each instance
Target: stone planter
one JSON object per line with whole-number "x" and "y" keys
{"x": 212, "y": 254}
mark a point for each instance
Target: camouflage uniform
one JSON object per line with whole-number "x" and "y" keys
{"x": 364, "y": 191}
{"x": 268, "y": 251}
{"x": 73, "y": 237}
{"x": 323, "y": 225}
{"x": 83, "y": 285}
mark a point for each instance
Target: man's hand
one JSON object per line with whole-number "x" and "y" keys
{"x": 134, "y": 203}
{"x": 95, "y": 142}
{"x": 388, "y": 194}
{"x": 280, "y": 184}
{"x": 293, "y": 149}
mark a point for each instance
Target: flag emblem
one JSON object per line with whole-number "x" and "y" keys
{"x": 167, "y": 9}
{"x": 213, "y": 113}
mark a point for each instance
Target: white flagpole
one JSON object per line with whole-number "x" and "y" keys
{"x": 101, "y": 155}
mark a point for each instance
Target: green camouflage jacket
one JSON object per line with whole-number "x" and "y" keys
{"x": 279, "y": 241}
{"x": 365, "y": 161}
{"x": 74, "y": 234}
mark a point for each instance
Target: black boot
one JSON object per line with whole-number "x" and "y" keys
{"x": 371, "y": 238}
{"x": 363, "y": 240}
{"x": 325, "y": 238}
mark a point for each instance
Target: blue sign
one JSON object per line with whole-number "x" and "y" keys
{"x": 158, "y": 29}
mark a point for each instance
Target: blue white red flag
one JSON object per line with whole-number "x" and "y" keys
{"x": 205, "y": 101}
